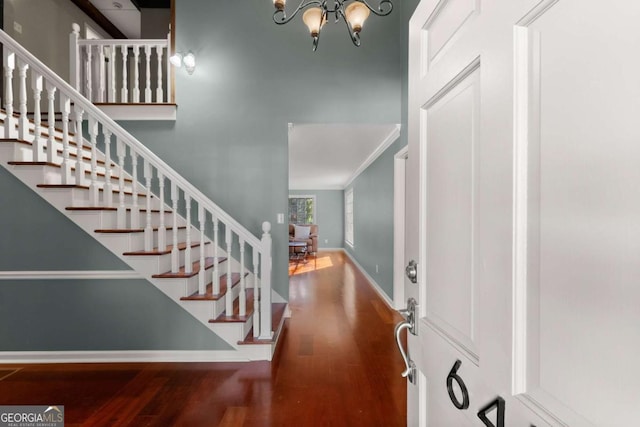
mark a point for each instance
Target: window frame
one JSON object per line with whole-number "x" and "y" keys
{"x": 314, "y": 210}
{"x": 349, "y": 221}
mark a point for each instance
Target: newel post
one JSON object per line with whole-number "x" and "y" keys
{"x": 265, "y": 283}
{"x": 74, "y": 56}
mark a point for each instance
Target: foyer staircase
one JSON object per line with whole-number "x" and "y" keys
{"x": 134, "y": 204}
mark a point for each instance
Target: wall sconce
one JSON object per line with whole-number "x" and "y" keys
{"x": 188, "y": 60}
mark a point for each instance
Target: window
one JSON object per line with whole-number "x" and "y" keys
{"x": 348, "y": 216}
{"x": 302, "y": 210}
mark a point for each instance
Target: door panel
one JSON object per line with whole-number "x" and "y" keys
{"x": 524, "y": 154}
{"x": 451, "y": 135}
{"x": 583, "y": 199}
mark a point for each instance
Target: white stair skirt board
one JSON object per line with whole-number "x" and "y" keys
{"x": 373, "y": 283}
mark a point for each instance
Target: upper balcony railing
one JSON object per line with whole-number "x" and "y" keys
{"x": 121, "y": 71}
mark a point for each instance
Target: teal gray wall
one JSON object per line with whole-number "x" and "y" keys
{"x": 230, "y": 140}
{"x": 93, "y": 315}
{"x": 329, "y": 216}
{"x": 373, "y": 219}
{"x": 373, "y": 189}
{"x": 252, "y": 78}
{"x": 77, "y": 315}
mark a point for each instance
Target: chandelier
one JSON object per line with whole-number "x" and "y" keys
{"x": 353, "y": 14}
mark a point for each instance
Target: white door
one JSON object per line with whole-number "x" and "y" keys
{"x": 524, "y": 213}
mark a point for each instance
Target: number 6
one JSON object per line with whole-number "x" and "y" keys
{"x": 453, "y": 375}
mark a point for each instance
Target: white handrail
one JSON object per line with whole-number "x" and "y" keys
{"x": 123, "y": 42}
{"x": 121, "y": 133}
{"x": 68, "y": 94}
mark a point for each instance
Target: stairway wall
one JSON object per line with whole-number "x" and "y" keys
{"x": 252, "y": 78}
{"x": 78, "y": 315}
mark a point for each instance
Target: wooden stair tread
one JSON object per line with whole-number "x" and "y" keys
{"x": 108, "y": 208}
{"x": 15, "y": 140}
{"x": 131, "y": 230}
{"x": 194, "y": 270}
{"x": 209, "y": 295}
{"x": 86, "y": 187}
{"x": 236, "y": 318}
{"x": 155, "y": 251}
{"x": 277, "y": 313}
{"x": 57, "y": 165}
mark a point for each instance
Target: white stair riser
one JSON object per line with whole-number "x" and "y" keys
{"x": 129, "y": 242}
{"x": 109, "y": 219}
{"x": 158, "y": 264}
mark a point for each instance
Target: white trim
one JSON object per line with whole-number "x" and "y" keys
{"x": 399, "y": 190}
{"x": 316, "y": 187}
{"x": 122, "y": 356}
{"x": 349, "y": 238}
{"x": 390, "y": 139}
{"x": 372, "y": 282}
{"x": 71, "y": 275}
{"x": 140, "y": 111}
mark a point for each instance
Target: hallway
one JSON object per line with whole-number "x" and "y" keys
{"x": 337, "y": 365}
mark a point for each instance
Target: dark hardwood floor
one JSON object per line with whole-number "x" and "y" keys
{"x": 336, "y": 365}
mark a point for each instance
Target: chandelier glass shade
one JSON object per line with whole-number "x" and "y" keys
{"x": 316, "y": 13}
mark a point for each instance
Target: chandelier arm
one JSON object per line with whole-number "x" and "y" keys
{"x": 355, "y": 37}
{"x": 280, "y": 16}
{"x": 384, "y": 7}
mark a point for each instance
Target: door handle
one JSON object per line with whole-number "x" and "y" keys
{"x": 411, "y": 270}
{"x": 410, "y": 315}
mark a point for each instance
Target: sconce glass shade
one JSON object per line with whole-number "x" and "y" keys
{"x": 189, "y": 61}
{"x": 356, "y": 14}
{"x": 315, "y": 20}
{"x": 176, "y": 59}
{"x": 279, "y": 4}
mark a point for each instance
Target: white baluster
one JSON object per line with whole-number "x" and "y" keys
{"x": 121, "y": 149}
{"x": 265, "y": 283}
{"x": 148, "y": 230}
{"x": 136, "y": 74}
{"x": 202, "y": 283}
{"x": 111, "y": 74}
{"x": 216, "y": 264}
{"x": 170, "y": 94}
{"x": 188, "y": 262}
{"x": 162, "y": 230}
{"x": 74, "y": 57}
{"x": 51, "y": 117}
{"x": 229, "y": 295}
{"x": 87, "y": 73}
{"x": 147, "y": 87}
{"x": 256, "y": 294}
{"x": 101, "y": 76}
{"x": 175, "y": 253}
{"x": 80, "y": 165}
{"x": 135, "y": 210}
{"x": 65, "y": 107}
{"x": 242, "y": 297}
{"x": 159, "y": 91}
{"x": 38, "y": 146}
{"x": 124, "y": 92}
{"x": 23, "y": 122}
{"x": 94, "y": 190}
{"x": 9, "y": 65}
{"x": 108, "y": 185}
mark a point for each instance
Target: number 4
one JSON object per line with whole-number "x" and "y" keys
{"x": 500, "y": 405}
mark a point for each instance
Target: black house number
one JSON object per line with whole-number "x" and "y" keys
{"x": 498, "y": 403}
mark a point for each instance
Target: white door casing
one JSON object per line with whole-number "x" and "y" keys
{"x": 523, "y": 184}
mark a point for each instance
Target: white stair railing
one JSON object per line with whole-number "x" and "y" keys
{"x": 110, "y": 70}
{"x": 102, "y": 129}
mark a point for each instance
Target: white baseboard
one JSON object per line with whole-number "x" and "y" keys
{"x": 70, "y": 275}
{"x": 373, "y": 283}
{"x": 22, "y": 357}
